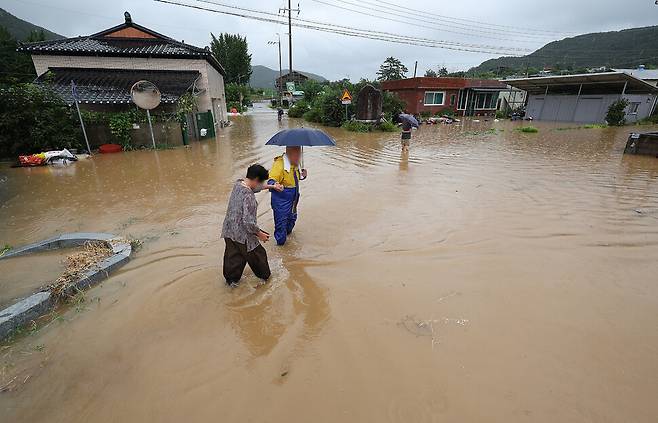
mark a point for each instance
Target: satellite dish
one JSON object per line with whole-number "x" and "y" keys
{"x": 145, "y": 95}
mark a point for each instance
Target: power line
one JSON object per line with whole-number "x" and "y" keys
{"x": 382, "y": 33}
{"x": 353, "y": 32}
{"x": 469, "y": 21}
{"x": 472, "y": 31}
{"x": 418, "y": 25}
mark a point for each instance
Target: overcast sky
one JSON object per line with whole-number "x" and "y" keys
{"x": 338, "y": 56}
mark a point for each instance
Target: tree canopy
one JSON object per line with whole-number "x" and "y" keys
{"x": 232, "y": 52}
{"x": 391, "y": 69}
{"x": 15, "y": 66}
{"x": 431, "y": 73}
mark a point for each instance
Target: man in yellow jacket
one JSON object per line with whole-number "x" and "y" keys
{"x": 286, "y": 172}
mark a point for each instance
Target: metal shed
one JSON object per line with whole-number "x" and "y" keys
{"x": 586, "y": 97}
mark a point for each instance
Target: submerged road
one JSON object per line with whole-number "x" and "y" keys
{"x": 489, "y": 276}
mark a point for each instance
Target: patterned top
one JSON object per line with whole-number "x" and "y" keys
{"x": 240, "y": 223}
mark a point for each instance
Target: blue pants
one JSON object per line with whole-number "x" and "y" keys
{"x": 284, "y": 206}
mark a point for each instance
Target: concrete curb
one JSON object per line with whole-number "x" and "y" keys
{"x": 39, "y": 303}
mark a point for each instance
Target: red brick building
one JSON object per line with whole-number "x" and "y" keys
{"x": 465, "y": 97}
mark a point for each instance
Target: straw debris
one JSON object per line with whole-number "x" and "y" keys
{"x": 78, "y": 262}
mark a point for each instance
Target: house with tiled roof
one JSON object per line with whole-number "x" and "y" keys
{"x": 105, "y": 65}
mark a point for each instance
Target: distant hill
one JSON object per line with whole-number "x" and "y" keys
{"x": 263, "y": 77}
{"x": 617, "y": 49}
{"x": 21, "y": 29}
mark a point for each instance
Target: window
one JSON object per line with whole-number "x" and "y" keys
{"x": 434, "y": 98}
{"x": 633, "y": 108}
{"x": 452, "y": 99}
{"x": 485, "y": 101}
{"x": 462, "y": 99}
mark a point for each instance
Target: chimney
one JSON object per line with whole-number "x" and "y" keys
{"x": 126, "y": 15}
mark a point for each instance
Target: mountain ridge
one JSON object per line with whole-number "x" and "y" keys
{"x": 264, "y": 77}
{"x": 626, "y": 48}
{"x": 20, "y": 29}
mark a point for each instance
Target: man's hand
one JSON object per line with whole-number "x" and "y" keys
{"x": 263, "y": 236}
{"x": 278, "y": 187}
{"x": 304, "y": 173}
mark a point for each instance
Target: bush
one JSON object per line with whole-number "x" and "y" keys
{"x": 392, "y": 105}
{"x": 298, "y": 109}
{"x": 595, "y": 126}
{"x": 356, "y": 126}
{"x": 387, "y": 126}
{"x": 313, "y": 115}
{"x": 528, "y": 129}
{"x": 651, "y": 120}
{"x": 33, "y": 119}
{"x": 616, "y": 115}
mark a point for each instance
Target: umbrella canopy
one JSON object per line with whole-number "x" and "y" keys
{"x": 409, "y": 118}
{"x": 301, "y": 137}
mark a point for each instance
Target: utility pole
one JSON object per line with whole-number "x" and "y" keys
{"x": 415, "y": 68}
{"x": 290, "y": 10}
{"x": 280, "y": 71}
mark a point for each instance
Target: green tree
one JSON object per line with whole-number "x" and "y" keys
{"x": 431, "y": 73}
{"x": 232, "y": 52}
{"x": 443, "y": 72}
{"x": 33, "y": 119}
{"x": 15, "y": 67}
{"x": 391, "y": 69}
{"x": 616, "y": 115}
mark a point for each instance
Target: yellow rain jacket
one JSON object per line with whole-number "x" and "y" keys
{"x": 279, "y": 174}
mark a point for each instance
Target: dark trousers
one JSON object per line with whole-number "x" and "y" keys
{"x": 236, "y": 257}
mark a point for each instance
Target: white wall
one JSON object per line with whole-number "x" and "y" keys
{"x": 211, "y": 83}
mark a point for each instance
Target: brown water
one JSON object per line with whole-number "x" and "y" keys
{"x": 489, "y": 277}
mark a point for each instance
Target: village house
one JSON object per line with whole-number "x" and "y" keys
{"x": 105, "y": 65}
{"x": 460, "y": 96}
{"x": 585, "y": 98}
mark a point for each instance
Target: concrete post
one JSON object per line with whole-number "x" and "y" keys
{"x": 573, "y": 116}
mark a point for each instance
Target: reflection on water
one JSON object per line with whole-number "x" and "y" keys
{"x": 544, "y": 243}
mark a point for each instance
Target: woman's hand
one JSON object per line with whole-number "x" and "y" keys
{"x": 263, "y": 236}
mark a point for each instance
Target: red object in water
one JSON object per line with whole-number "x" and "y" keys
{"x": 109, "y": 148}
{"x": 31, "y": 160}
{"x": 234, "y": 110}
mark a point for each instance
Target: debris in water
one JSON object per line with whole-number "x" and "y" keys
{"x": 79, "y": 262}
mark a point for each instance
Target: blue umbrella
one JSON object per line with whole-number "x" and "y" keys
{"x": 409, "y": 118}
{"x": 300, "y": 137}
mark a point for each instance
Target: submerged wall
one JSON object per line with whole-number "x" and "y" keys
{"x": 586, "y": 109}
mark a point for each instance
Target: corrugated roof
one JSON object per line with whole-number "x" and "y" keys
{"x": 644, "y": 74}
{"x": 538, "y": 85}
{"x": 112, "y": 86}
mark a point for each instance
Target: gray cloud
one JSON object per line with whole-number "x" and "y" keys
{"x": 336, "y": 56}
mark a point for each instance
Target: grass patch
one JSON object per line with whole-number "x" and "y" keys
{"x": 355, "y": 126}
{"x": 595, "y": 126}
{"x": 4, "y": 250}
{"x": 387, "y": 126}
{"x": 491, "y": 131}
{"x": 77, "y": 263}
{"x": 528, "y": 129}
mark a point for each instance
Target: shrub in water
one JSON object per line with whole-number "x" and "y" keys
{"x": 388, "y": 127}
{"x": 616, "y": 115}
{"x": 528, "y": 129}
{"x": 354, "y": 126}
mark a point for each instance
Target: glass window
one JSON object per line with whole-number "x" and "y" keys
{"x": 633, "y": 107}
{"x": 452, "y": 99}
{"x": 434, "y": 98}
{"x": 462, "y": 99}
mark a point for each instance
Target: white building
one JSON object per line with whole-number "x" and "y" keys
{"x": 101, "y": 61}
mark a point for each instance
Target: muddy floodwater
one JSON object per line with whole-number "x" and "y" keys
{"x": 488, "y": 276}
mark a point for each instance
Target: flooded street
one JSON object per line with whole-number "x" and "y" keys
{"x": 488, "y": 276}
